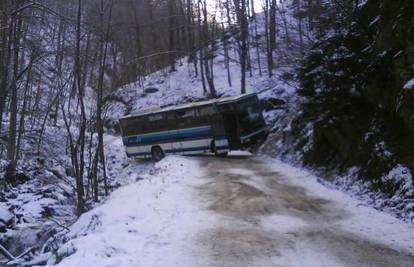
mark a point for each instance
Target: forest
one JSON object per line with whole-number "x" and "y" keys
{"x": 335, "y": 79}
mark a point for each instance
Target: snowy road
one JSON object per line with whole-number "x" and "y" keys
{"x": 270, "y": 219}
{"x": 238, "y": 211}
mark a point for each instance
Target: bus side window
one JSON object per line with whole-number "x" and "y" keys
{"x": 155, "y": 117}
{"x": 170, "y": 118}
{"x": 130, "y": 127}
{"x": 183, "y": 114}
{"x": 185, "y": 117}
{"x": 132, "y": 140}
{"x": 205, "y": 114}
{"x": 157, "y": 122}
{"x": 206, "y": 111}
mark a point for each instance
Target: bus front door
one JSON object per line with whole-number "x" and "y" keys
{"x": 231, "y": 128}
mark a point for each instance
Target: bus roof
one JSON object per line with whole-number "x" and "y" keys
{"x": 224, "y": 100}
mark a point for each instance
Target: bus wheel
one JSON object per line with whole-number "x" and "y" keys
{"x": 157, "y": 153}
{"x": 216, "y": 153}
{"x": 213, "y": 148}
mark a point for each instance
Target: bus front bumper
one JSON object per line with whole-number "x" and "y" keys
{"x": 256, "y": 137}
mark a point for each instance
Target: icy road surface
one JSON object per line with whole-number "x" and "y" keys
{"x": 238, "y": 211}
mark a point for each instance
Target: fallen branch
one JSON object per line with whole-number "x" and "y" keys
{"x": 58, "y": 223}
{"x": 12, "y": 259}
{"x": 6, "y": 253}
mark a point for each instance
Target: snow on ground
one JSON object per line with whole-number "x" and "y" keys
{"x": 121, "y": 169}
{"x": 146, "y": 223}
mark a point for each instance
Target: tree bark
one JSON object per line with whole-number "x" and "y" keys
{"x": 7, "y": 52}
{"x": 99, "y": 122}
{"x": 80, "y": 144}
{"x": 200, "y": 46}
{"x": 11, "y": 144}
{"x": 208, "y": 54}
{"x": 244, "y": 32}
{"x": 171, "y": 33}
{"x": 272, "y": 25}
{"x": 268, "y": 48}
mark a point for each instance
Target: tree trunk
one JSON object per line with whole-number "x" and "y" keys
{"x": 272, "y": 25}
{"x": 23, "y": 111}
{"x": 82, "y": 127}
{"x": 171, "y": 33}
{"x": 244, "y": 32}
{"x": 208, "y": 55}
{"x": 7, "y": 39}
{"x": 99, "y": 122}
{"x": 226, "y": 56}
{"x": 257, "y": 43}
{"x": 11, "y": 144}
{"x": 200, "y": 46}
{"x": 191, "y": 39}
{"x": 268, "y": 48}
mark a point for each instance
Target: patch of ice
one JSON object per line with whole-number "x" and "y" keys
{"x": 282, "y": 223}
{"x": 240, "y": 171}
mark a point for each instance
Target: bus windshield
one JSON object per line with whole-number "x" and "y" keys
{"x": 249, "y": 114}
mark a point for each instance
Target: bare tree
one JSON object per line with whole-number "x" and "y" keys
{"x": 268, "y": 47}
{"x": 256, "y": 37}
{"x": 200, "y": 46}
{"x": 240, "y": 6}
{"x": 191, "y": 38}
{"x": 272, "y": 24}
{"x": 171, "y": 33}
{"x": 99, "y": 124}
{"x": 208, "y": 53}
{"x": 78, "y": 150}
{"x": 11, "y": 144}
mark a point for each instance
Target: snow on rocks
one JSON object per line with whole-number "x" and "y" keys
{"x": 121, "y": 169}
{"x": 399, "y": 182}
{"x": 6, "y": 217}
{"x": 400, "y": 175}
{"x": 409, "y": 84}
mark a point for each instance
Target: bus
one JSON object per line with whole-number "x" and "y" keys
{"x": 212, "y": 126}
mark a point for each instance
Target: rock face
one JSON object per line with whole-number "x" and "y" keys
{"x": 353, "y": 84}
{"x": 357, "y": 110}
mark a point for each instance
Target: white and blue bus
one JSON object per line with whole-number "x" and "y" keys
{"x": 213, "y": 126}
